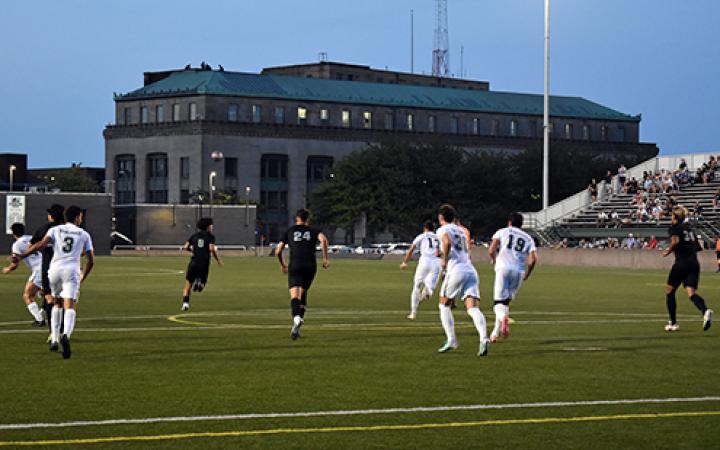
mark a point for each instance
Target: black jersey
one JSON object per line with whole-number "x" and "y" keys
{"x": 688, "y": 247}
{"x": 200, "y": 246}
{"x": 302, "y": 241}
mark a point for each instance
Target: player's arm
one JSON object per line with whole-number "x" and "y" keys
{"x": 36, "y": 246}
{"x": 674, "y": 242}
{"x": 186, "y": 246}
{"x": 214, "y": 252}
{"x": 492, "y": 251}
{"x": 445, "y": 245}
{"x": 279, "y": 253}
{"x": 14, "y": 261}
{"x": 407, "y": 257}
{"x": 324, "y": 247}
{"x": 531, "y": 261}
{"x": 90, "y": 257}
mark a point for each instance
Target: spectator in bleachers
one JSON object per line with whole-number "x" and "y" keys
{"x": 697, "y": 212}
{"x": 716, "y": 199}
{"x": 615, "y": 219}
{"x": 608, "y": 183}
{"x": 683, "y": 165}
{"x": 651, "y": 244}
{"x": 593, "y": 190}
{"x": 602, "y": 219}
{"x": 630, "y": 242}
{"x": 622, "y": 175}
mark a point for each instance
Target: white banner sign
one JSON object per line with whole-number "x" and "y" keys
{"x": 14, "y": 211}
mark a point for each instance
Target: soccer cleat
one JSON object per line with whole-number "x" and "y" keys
{"x": 448, "y": 346}
{"x": 185, "y": 306}
{"x": 53, "y": 346}
{"x": 484, "y": 345}
{"x": 410, "y": 316}
{"x": 38, "y": 323}
{"x": 493, "y": 339}
{"x": 672, "y": 326}
{"x": 49, "y": 339}
{"x": 505, "y": 329}
{"x": 707, "y": 319}
{"x": 66, "y": 352}
{"x": 295, "y": 331}
{"x": 196, "y": 284}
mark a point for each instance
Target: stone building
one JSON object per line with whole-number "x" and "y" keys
{"x": 281, "y": 131}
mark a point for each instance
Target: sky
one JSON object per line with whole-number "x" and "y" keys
{"x": 62, "y": 61}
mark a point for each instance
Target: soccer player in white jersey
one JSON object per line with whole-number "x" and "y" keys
{"x": 427, "y": 272}
{"x": 34, "y": 263}
{"x": 70, "y": 243}
{"x": 461, "y": 281}
{"x": 510, "y": 250}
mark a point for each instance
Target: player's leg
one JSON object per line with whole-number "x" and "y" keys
{"x": 202, "y": 278}
{"x": 447, "y": 295}
{"x": 675, "y": 278}
{"x": 699, "y": 302}
{"x": 478, "y": 318}
{"x": 29, "y": 298}
{"x": 499, "y": 297}
{"x": 56, "y": 313}
{"x": 190, "y": 276}
{"x": 296, "y": 309}
{"x": 417, "y": 292}
{"x": 48, "y": 299}
{"x": 186, "y": 296}
{"x": 69, "y": 324}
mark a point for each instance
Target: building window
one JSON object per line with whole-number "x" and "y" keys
{"x": 389, "y": 121}
{"x": 431, "y": 124}
{"x": 476, "y": 126}
{"x": 494, "y": 127}
{"x": 124, "y": 179}
{"x": 621, "y": 133}
{"x": 232, "y": 112}
{"x": 256, "y": 113}
{"x": 568, "y": 131}
{"x": 454, "y": 125}
{"x": 157, "y": 184}
{"x": 603, "y": 132}
{"x": 159, "y": 114}
{"x": 273, "y": 167}
{"x": 367, "y": 119}
{"x": 302, "y": 115}
{"x": 586, "y": 133}
{"x": 346, "y": 118}
{"x": 318, "y": 169}
{"x": 184, "y": 196}
{"x": 324, "y": 116}
{"x": 551, "y": 128}
{"x": 144, "y": 115}
{"x": 279, "y": 115}
{"x": 410, "y": 122}
{"x": 176, "y": 112}
{"x": 192, "y": 112}
{"x": 274, "y": 200}
{"x": 231, "y": 167}
{"x": 184, "y": 168}
{"x": 513, "y": 128}
{"x": 127, "y": 116}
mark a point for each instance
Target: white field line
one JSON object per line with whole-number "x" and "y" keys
{"x": 354, "y": 412}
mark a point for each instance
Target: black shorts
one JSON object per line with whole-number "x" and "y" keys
{"x": 301, "y": 276}
{"x": 717, "y": 254}
{"x": 197, "y": 270}
{"x": 686, "y": 272}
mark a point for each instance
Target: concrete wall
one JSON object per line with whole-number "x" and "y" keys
{"x": 150, "y": 224}
{"x": 98, "y": 221}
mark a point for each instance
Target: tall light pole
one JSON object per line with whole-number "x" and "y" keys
{"x": 12, "y": 175}
{"x": 247, "y": 205}
{"x": 211, "y": 188}
{"x": 546, "y": 112}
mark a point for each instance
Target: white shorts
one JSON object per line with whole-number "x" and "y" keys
{"x": 459, "y": 285}
{"x": 36, "y": 278}
{"x": 64, "y": 283}
{"x": 507, "y": 283}
{"x": 427, "y": 274}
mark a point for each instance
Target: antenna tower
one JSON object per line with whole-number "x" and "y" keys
{"x": 441, "y": 48}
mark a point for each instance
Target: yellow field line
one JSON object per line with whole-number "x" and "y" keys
{"x": 276, "y": 431}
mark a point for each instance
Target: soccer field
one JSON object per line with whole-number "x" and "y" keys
{"x": 587, "y": 364}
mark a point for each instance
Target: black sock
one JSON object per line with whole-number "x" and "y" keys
{"x": 671, "y": 307}
{"x": 303, "y": 302}
{"x": 47, "y": 307}
{"x": 186, "y": 299}
{"x": 699, "y": 303}
{"x": 296, "y": 307}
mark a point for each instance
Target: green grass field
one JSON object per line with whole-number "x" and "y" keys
{"x": 579, "y": 335}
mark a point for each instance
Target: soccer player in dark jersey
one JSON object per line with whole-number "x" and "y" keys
{"x": 202, "y": 245}
{"x": 55, "y": 217}
{"x": 302, "y": 241}
{"x": 685, "y": 270}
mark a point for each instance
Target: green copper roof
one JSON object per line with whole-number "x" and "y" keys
{"x": 188, "y": 82}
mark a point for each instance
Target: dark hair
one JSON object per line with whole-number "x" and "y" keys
{"x": 429, "y": 226}
{"x": 72, "y": 213}
{"x": 204, "y": 223}
{"x": 447, "y": 212}
{"x": 303, "y": 214}
{"x": 17, "y": 229}
{"x": 516, "y": 220}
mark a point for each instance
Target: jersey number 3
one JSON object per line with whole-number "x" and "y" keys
{"x": 69, "y": 242}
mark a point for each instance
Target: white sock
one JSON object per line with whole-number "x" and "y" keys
{"x": 448, "y": 323}
{"x": 414, "y": 300}
{"x": 479, "y": 321}
{"x": 69, "y": 322}
{"x": 35, "y": 311}
{"x": 55, "y": 322}
{"x": 297, "y": 320}
{"x": 499, "y": 314}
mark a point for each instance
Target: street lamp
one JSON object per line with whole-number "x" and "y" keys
{"x": 546, "y": 112}
{"x": 247, "y": 205}
{"x": 211, "y": 187}
{"x": 12, "y": 175}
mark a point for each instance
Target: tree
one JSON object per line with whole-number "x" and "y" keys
{"x": 73, "y": 180}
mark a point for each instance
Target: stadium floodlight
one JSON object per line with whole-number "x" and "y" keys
{"x": 211, "y": 188}
{"x": 546, "y": 112}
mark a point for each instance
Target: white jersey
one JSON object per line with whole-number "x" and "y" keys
{"x": 427, "y": 243}
{"x": 34, "y": 260}
{"x": 70, "y": 242}
{"x": 459, "y": 257}
{"x": 515, "y": 245}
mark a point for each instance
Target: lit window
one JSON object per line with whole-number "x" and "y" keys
{"x": 513, "y": 128}
{"x": 346, "y": 118}
{"x": 389, "y": 121}
{"x": 568, "y": 131}
{"x": 604, "y": 132}
{"x": 431, "y": 124}
{"x": 475, "y": 126}
{"x": 279, "y": 115}
{"x": 256, "y": 113}
{"x": 144, "y": 115}
{"x": 232, "y": 112}
{"x": 410, "y": 122}
{"x": 176, "y": 112}
{"x": 324, "y": 116}
{"x": 586, "y": 132}
{"x": 193, "y": 115}
{"x": 367, "y": 119}
{"x": 159, "y": 113}
{"x": 301, "y": 115}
